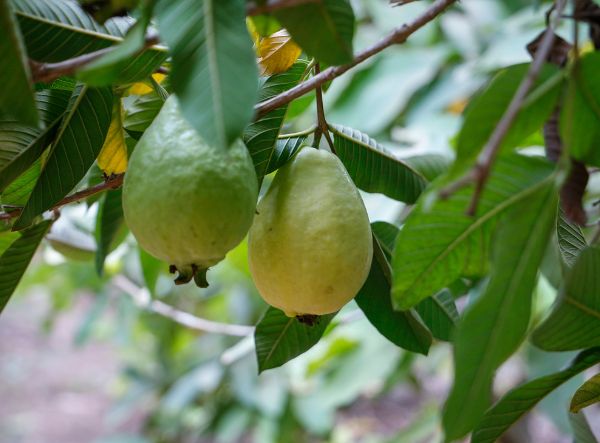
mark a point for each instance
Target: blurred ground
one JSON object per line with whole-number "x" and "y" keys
{"x": 50, "y": 390}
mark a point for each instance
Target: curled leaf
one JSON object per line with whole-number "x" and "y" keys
{"x": 277, "y": 53}
{"x": 113, "y": 156}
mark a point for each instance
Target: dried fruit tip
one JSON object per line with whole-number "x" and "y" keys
{"x": 186, "y": 274}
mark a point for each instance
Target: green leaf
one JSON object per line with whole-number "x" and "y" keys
{"x": 430, "y": 166}
{"x": 587, "y": 394}
{"x": 438, "y": 312}
{"x": 108, "y": 68}
{"x": 404, "y": 329}
{"x": 323, "y": 28}
{"x": 439, "y": 243}
{"x": 570, "y": 239}
{"x": 60, "y": 29}
{"x": 140, "y": 113}
{"x": 575, "y": 320}
{"x": 7, "y": 239}
{"x": 279, "y": 338}
{"x": 582, "y": 433}
{"x": 18, "y": 192}
{"x": 16, "y": 258}
{"x": 580, "y": 114}
{"x": 523, "y": 398}
{"x": 486, "y": 110}
{"x": 21, "y": 145}
{"x": 496, "y": 324}
{"x": 16, "y": 95}
{"x": 76, "y": 146}
{"x": 373, "y": 168}
{"x": 108, "y": 223}
{"x": 214, "y": 71}
{"x": 151, "y": 267}
{"x": 261, "y": 136}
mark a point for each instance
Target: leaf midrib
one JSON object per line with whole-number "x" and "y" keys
{"x": 524, "y": 257}
{"x": 278, "y": 340}
{"x": 472, "y": 228}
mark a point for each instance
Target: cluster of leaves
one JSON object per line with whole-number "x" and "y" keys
{"x": 62, "y": 132}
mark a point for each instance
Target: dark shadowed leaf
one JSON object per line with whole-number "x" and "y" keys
{"x": 403, "y": 328}
{"x": 279, "y": 338}
{"x": 16, "y": 94}
{"x": 324, "y": 29}
{"x": 76, "y": 146}
{"x": 580, "y": 115}
{"x": 108, "y": 223}
{"x": 495, "y": 325}
{"x": 15, "y": 259}
{"x": 21, "y": 145}
{"x": 108, "y": 68}
{"x": 60, "y": 29}
{"x": 485, "y": 110}
{"x": 374, "y": 169}
{"x": 587, "y": 394}
{"x": 523, "y": 398}
{"x": 439, "y": 243}
{"x": 437, "y": 312}
{"x": 261, "y": 136}
{"x": 214, "y": 71}
{"x": 575, "y": 320}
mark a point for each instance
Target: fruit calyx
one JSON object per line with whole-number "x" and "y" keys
{"x": 187, "y": 273}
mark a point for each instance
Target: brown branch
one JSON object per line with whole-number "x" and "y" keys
{"x": 486, "y": 158}
{"x": 273, "y": 5}
{"x": 112, "y": 182}
{"x": 399, "y": 35}
{"x": 42, "y": 72}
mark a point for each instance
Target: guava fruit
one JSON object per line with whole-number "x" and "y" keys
{"x": 310, "y": 245}
{"x": 186, "y": 202}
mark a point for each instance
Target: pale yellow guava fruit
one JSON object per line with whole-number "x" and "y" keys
{"x": 186, "y": 202}
{"x": 310, "y": 245}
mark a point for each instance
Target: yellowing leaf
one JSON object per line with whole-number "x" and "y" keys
{"x": 113, "y": 156}
{"x": 253, "y": 34}
{"x": 141, "y": 88}
{"x": 277, "y": 53}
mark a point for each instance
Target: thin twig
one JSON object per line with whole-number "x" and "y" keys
{"x": 322, "y": 126}
{"x": 399, "y": 35}
{"x": 48, "y": 72}
{"x": 112, "y": 182}
{"x": 302, "y": 133}
{"x": 254, "y": 8}
{"x": 486, "y": 158}
{"x": 142, "y": 298}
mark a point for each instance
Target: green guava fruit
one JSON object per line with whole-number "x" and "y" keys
{"x": 310, "y": 245}
{"x": 186, "y": 202}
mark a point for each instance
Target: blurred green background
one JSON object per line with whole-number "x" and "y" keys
{"x": 82, "y": 359}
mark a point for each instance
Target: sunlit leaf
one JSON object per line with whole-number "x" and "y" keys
{"x": 113, "y": 155}
{"x": 439, "y": 243}
{"x": 493, "y": 327}
{"x": 277, "y": 53}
